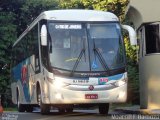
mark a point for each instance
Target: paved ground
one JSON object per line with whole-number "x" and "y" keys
{"x": 54, "y": 115}
{"x": 136, "y": 110}
{"x": 121, "y": 113}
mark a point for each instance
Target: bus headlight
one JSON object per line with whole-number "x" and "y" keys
{"x": 59, "y": 84}
{"x": 120, "y": 82}
{"x": 50, "y": 79}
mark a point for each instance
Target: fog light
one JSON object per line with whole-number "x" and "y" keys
{"x": 58, "y": 96}
{"x": 120, "y": 82}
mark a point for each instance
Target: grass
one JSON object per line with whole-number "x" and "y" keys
{"x": 10, "y": 109}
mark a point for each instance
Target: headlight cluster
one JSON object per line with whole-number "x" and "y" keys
{"x": 120, "y": 82}
{"x": 58, "y": 83}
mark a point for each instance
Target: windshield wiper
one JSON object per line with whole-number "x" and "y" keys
{"x": 77, "y": 61}
{"x": 100, "y": 57}
{"x": 79, "y": 57}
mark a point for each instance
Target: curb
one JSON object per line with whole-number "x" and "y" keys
{"x": 127, "y": 111}
{"x": 150, "y": 111}
{"x": 137, "y": 110}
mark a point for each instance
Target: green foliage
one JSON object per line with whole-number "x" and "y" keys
{"x": 96, "y": 4}
{"x": 133, "y": 73}
{"x": 71, "y": 4}
{"x": 30, "y": 9}
{"x": 117, "y": 7}
{"x": 131, "y": 51}
{"x": 133, "y": 70}
{"x": 7, "y": 36}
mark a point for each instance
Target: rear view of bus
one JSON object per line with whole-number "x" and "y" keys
{"x": 81, "y": 61}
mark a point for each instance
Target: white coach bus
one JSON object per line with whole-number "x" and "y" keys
{"x": 70, "y": 57}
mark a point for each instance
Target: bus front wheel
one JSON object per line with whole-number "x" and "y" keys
{"x": 45, "y": 109}
{"x": 104, "y": 108}
{"x": 69, "y": 109}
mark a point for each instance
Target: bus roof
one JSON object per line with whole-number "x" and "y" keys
{"x": 71, "y": 15}
{"x": 78, "y": 15}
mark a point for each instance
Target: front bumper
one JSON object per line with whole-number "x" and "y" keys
{"x": 66, "y": 96}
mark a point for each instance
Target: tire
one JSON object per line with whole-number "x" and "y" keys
{"x": 104, "y": 108}
{"x": 61, "y": 110}
{"x": 69, "y": 109}
{"x": 29, "y": 108}
{"x": 20, "y": 107}
{"x": 45, "y": 109}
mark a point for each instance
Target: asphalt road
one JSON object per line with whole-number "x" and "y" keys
{"x": 78, "y": 115}
{"x": 54, "y": 115}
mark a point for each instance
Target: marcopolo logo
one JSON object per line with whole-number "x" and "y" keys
{"x": 91, "y": 87}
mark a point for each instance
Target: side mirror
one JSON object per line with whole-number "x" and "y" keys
{"x": 132, "y": 34}
{"x": 44, "y": 35}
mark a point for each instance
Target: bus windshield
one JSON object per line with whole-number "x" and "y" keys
{"x": 83, "y": 47}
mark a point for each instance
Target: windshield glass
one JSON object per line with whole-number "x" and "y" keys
{"x": 68, "y": 40}
{"x": 107, "y": 41}
{"x": 72, "y": 46}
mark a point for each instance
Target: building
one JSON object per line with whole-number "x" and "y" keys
{"x": 145, "y": 15}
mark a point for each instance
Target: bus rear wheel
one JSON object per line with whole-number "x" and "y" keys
{"x": 20, "y": 107}
{"x": 104, "y": 108}
{"x": 45, "y": 109}
{"x": 69, "y": 110}
{"x": 29, "y": 108}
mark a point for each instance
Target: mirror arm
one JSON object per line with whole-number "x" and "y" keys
{"x": 132, "y": 34}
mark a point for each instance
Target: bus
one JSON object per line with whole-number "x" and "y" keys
{"x": 69, "y": 58}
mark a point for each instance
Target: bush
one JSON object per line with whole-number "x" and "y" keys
{"x": 133, "y": 72}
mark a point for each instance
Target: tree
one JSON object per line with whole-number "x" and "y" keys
{"x": 96, "y": 4}
{"x": 31, "y": 9}
{"x": 71, "y": 4}
{"x": 115, "y": 6}
{"x": 15, "y": 15}
{"x": 7, "y": 36}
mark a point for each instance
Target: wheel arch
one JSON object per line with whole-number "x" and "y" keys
{"x": 17, "y": 93}
{"x": 38, "y": 86}
{"x": 38, "y": 89}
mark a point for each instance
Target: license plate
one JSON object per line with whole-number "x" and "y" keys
{"x": 91, "y": 96}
